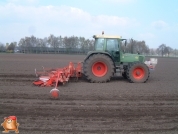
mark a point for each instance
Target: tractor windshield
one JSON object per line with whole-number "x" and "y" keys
{"x": 112, "y": 45}
{"x": 99, "y": 44}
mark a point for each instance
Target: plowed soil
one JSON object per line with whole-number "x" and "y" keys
{"x": 83, "y": 107}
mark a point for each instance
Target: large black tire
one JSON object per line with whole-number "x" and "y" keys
{"x": 138, "y": 72}
{"x": 98, "y": 68}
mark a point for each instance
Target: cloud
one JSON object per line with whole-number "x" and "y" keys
{"x": 120, "y": 1}
{"x": 60, "y": 14}
{"x": 22, "y": 20}
{"x": 23, "y": 2}
{"x": 159, "y": 25}
{"x": 112, "y": 20}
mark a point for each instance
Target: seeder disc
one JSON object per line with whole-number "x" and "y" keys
{"x": 54, "y": 93}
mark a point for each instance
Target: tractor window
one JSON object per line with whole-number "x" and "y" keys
{"x": 99, "y": 44}
{"x": 112, "y": 45}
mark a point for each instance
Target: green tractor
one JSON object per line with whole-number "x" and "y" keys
{"x": 108, "y": 58}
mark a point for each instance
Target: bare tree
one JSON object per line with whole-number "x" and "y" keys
{"x": 11, "y": 47}
{"x": 134, "y": 46}
{"x": 168, "y": 50}
{"x": 2, "y": 47}
{"x": 152, "y": 51}
{"x": 161, "y": 49}
{"x": 54, "y": 42}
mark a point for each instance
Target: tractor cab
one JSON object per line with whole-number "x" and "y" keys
{"x": 108, "y": 44}
{"x": 112, "y": 45}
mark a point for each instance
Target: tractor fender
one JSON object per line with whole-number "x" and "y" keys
{"x": 90, "y": 53}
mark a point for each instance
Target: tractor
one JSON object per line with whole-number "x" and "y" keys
{"x": 101, "y": 64}
{"x": 108, "y": 58}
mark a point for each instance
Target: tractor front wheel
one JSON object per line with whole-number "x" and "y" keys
{"x": 138, "y": 73}
{"x": 98, "y": 68}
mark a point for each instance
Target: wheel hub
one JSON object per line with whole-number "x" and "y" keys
{"x": 99, "y": 69}
{"x": 138, "y": 73}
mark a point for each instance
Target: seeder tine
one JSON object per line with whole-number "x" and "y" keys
{"x": 38, "y": 83}
{"x": 78, "y": 70}
{"x": 36, "y": 73}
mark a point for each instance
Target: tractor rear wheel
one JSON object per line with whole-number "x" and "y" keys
{"x": 98, "y": 68}
{"x": 138, "y": 73}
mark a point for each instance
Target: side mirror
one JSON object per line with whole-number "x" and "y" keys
{"x": 125, "y": 42}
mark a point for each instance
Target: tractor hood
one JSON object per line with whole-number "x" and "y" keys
{"x": 127, "y": 57}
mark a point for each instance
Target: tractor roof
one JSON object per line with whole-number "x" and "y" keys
{"x": 107, "y": 36}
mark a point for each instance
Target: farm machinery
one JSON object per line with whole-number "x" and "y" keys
{"x": 101, "y": 64}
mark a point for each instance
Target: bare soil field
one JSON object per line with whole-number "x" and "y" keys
{"x": 83, "y": 107}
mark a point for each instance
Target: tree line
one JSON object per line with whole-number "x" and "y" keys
{"x": 80, "y": 45}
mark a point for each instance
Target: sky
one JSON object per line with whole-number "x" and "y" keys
{"x": 152, "y": 21}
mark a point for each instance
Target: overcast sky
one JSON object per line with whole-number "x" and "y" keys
{"x": 154, "y": 21}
